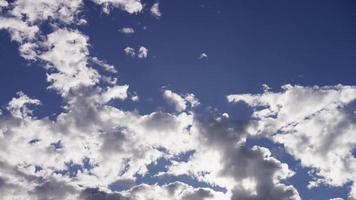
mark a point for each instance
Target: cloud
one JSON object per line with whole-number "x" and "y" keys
{"x": 142, "y": 52}
{"x": 130, "y": 51}
{"x": 67, "y": 53}
{"x": 106, "y": 66}
{"x": 155, "y": 11}
{"x": 176, "y": 190}
{"x": 40, "y": 10}
{"x": 127, "y": 30}
{"x": 22, "y": 33}
{"x": 135, "y": 98}
{"x": 130, "y": 6}
{"x": 19, "y": 30}
{"x": 115, "y": 92}
{"x": 180, "y": 102}
{"x": 18, "y": 106}
{"x": 94, "y": 143}
{"x": 203, "y": 56}
{"x": 3, "y": 3}
{"x": 245, "y": 173}
{"x": 175, "y": 99}
{"x": 315, "y": 125}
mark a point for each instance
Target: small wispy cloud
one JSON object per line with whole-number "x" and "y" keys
{"x": 127, "y": 30}
{"x": 203, "y": 56}
{"x": 155, "y": 11}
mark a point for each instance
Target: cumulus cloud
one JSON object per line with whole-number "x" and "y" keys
{"x": 131, "y": 6}
{"x": 315, "y": 124}
{"x": 40, "y": 10}
{"x": 92, "y": 144}
{"x": 130, "y": 51}
{"x": 18, "y": 106}
{"x": 245, "y": 173}
{"x": 180, "y": 102}
{"x": 142, "y": 52}
{"x": 67, "y": 53}
{"x": 155, "y": 11}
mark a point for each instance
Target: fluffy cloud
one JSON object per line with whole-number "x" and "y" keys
{"x": 18, "y": 106}
{"x": 3, "y": 3}
{"x": 105, "y": 65}
{"x": 67, "y": 53}
{"x": 131, "y": 6}
{"x": 221, "y": 159}
{"x": 180, "y": 102}
{"x": 130, "y": 51}
{"x": 92, "y": 144}
{"x": 315, "y": 124}
{"x": 40, "y": 10}
{"x": 142, "y": 52}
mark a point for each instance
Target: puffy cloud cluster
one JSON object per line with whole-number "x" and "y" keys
{"x": 221, "y": 159}
{"x": 142, "y": 52}
{"x": 315, "y": 124}
{"x": 93, "y": 146}
{"x": 64, "y": 50}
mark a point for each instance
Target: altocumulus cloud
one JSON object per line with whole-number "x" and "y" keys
{"x": 93, "y": 144}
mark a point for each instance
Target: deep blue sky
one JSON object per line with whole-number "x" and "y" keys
{"x": 248, "y": 43}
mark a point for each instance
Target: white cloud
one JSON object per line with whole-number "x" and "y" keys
{"x": 191, "y": 99}
{"x": 19, "y": 106}
{"x": 3, "y": 3}
{"x": 142, "y": 52}
{"x": 130, "y": 51}
{"x": 127, "y": 30}
{"x": 155, "y": 11}
{"x": 316, "y": 125}
{"x": 115, "y": 92}
{"x": 135, "y": 98}
{"x": 40, "y": 10}
{"x": 19, "y": 30}
{"x": 131, "y": 6}
{"x": 119, "y": 145}
{"x": 203, "y": 56}
{"x": 180, "y": 101}
{"x": 106, "y": 66}
{"x": 237, "y": 168}
{"x": 175, "y": 99}
{"x": 67, "y": 53}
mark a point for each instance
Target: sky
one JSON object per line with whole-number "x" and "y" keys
{"x": 177, "y": 100}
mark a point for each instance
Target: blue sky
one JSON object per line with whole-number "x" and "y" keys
{"x": 215, "y": 100}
